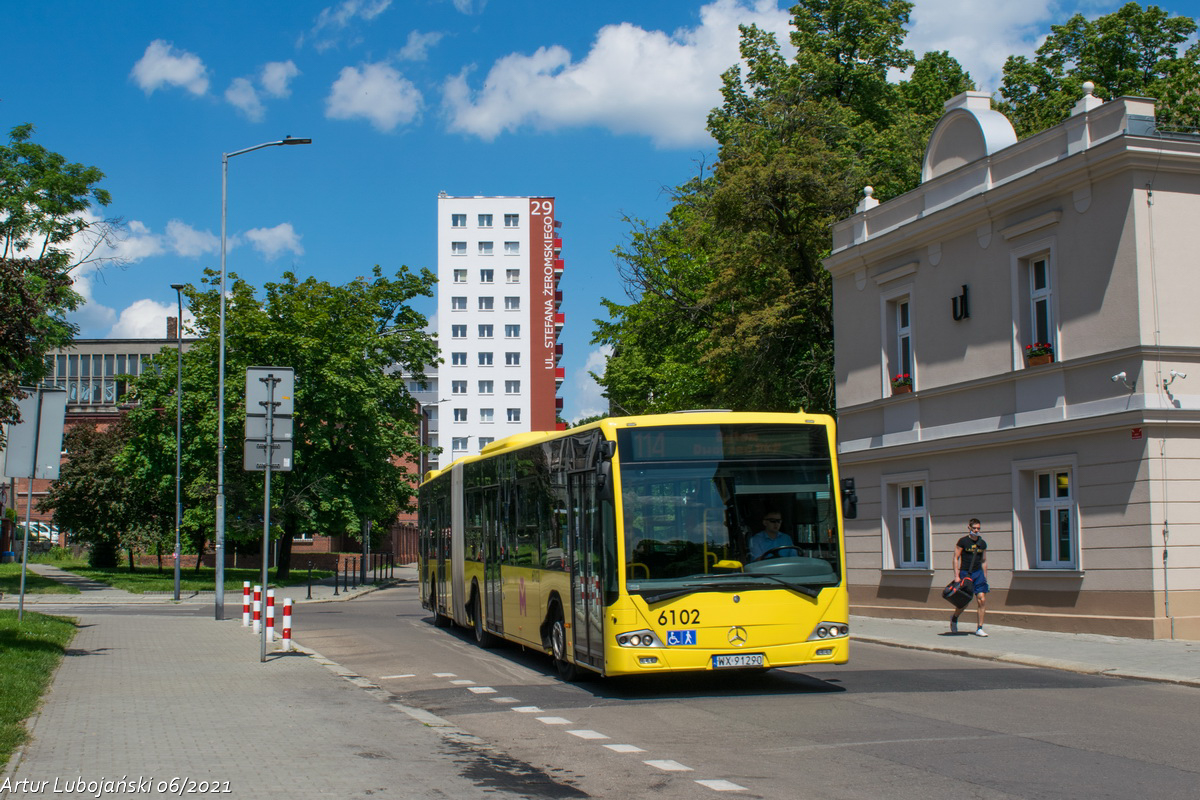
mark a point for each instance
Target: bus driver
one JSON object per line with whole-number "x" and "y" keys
{"x": 770, "y": 538}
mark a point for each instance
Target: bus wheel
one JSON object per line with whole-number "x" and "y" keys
{"x": 440, "y": 620}
{"x": 558, "y": 646}
{"x": 482, "y": 637}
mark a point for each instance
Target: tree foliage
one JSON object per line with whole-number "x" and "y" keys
{"x": 355, "y": 422}
{"x": 1132, "y": 51}
{"x": 731, "y": 306}
{"x": 44, "y": 205}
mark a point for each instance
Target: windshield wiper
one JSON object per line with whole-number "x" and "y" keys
{"x": 690, "y": 588}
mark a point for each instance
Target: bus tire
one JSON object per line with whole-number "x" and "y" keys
{"x": 483, "y": 638}
{"x": 440, "y": 620}
{"x": 558, "y": 646}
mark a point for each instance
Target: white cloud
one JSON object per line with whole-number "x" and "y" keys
{"x": 632, "y": 81}
{"x": 586, "y": 394}
{"x": 333, "y": 21}
{"x": 162, "y": 65}
{"x": 1015, "y": 27}
{"x": 276, "y": 77}
{"x": 146, "y": 319}
{"x": 273, "y": 241}
{"x": 242, "y": 94}
{"x": 90, "y": 315}
{"x": 185, "y": 240}
{"x": 418, "y": 45}
{"x": 376, "y": 92}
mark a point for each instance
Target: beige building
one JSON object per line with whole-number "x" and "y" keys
{"x": 1083, "y": 242}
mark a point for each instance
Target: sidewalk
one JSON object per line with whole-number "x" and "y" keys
{"x": 148, "y": 697}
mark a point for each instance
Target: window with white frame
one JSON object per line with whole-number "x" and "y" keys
{"x": 486, "y": 415}
{"x": 512, "y": 248}
{"x": 897, "y": 339}
{"x": 512, "y": 275}
{"x": 485, "y": 359}
{"x": 458, "y": 220}
{"x": 458, "y": 304}
{"x": 485, "y": 248}
{"x": 458, "y": 248}
{"x": 514, "y": 415}
{"x": 460, "y": 415}
{"x": 1054, "y": 512}
{"x": 912, "y": 526}
{"x": 512, "y": 387}
{"x": 460, "y": 276}
{"x": 458, "y": 359}
{"x": 485, "y": 387}
{"x": 486, "y": 303}
{"x": 485, "y": 220}
{"x": 512, "y": 331}
{"x": 485, "y": 331}
{"x": 459, "y": 443}
{"x": 458, "y": 331}
{"x": 458, "y": 387}
{"x": 1041, "y": 307}
{"x": 903, "y": 338}
{"x": 1046, "y": 524}
{"x": 512, "y": 359}
{"x": 486, "y": 275}
{"x": 512, "y": 304}
{"x": 512, "y": 220}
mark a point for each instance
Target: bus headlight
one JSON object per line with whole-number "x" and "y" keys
{"x": 829, "y": 630}
{"x": 643, "y": 638}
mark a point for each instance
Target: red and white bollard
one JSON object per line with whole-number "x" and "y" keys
{"x": 245, "y": 604}
{"x": 257, "y": 609}
{"x": 270, "y": 615}
{"x": 287, "y": 624}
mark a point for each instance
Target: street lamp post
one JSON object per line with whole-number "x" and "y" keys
{"x": 178, "y": 287}
{"x": 220, "y": 544}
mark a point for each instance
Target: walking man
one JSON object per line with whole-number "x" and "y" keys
{"x": 970, "y": 561}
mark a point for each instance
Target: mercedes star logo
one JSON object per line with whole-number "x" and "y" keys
{"x": 737, "y": 635}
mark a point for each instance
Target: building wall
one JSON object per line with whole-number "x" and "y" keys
{"x": 520, "y": 303}
{"x": 1110, "y": 212}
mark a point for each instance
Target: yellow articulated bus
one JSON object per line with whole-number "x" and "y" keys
{"x": 637, "y": 545}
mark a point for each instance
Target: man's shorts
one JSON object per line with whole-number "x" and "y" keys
{"x": 977, "y": 577}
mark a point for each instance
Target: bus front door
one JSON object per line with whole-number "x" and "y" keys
{"x": 586, "y": 555}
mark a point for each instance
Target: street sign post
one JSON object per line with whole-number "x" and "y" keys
{"x": 269, "y": 409}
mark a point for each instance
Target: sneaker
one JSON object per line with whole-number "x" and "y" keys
{"x": 980, "y": 632}
{"x": 954, "y": 624}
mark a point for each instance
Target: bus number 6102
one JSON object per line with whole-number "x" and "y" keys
{"x": 683, "y": 617}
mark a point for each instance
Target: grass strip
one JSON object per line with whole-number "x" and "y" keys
{"x": 149, "y": 579}
{"x": 10, "y": 582}
{"x": 30, "y": 652}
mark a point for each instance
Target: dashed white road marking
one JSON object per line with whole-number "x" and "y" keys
{"x": 668, "y": 765}
{"x": 624, "y": 748}
{"x": 444, "y": 675}
{"x": 527, "y": 709}
{"x": 505, "y": 700}
{"x": 481, "y": 689}
{"x": 393, "y": 677}
{"x": 585, "y": 734}
{"x": 722, "y": 786}
{"x": 463, "y": 682}
{"x": 554, "y": 720}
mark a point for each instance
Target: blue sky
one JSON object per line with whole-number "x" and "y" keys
{"x": 601, "y": 105}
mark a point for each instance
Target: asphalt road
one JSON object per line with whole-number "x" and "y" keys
{"x": 893, "y": 723}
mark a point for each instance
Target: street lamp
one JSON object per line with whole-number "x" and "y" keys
{"x": 178, "y": 287}
{"x": 220, "y": 545}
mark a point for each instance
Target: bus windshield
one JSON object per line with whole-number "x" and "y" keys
{"x": 762, "y": 514}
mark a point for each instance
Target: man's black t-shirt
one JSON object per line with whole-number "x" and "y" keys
{"x": 972, "y": 555}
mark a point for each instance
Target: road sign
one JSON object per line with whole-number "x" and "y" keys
{"x": 41, "y": 426}
{"x": 256, "y": 390}
{"x": 256, "y": 428}
{"x": 268, "y": 419}
{"x": 256, "y": 455}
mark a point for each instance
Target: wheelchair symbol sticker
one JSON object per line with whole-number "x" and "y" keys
{"x": 676, "y": 638}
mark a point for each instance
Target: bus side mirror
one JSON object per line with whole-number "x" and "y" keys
{"x": 849, "y": 499}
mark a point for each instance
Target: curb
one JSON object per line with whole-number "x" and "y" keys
{"x": 1040, "y": 662}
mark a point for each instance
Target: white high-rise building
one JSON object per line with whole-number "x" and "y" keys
{"x": 498, "y": 320}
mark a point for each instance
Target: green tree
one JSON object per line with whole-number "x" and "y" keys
{"x": 356, "y": 425}
{"x": 732, "y": 305}
{"x": 1132, "y": 51}
{"x": 44, "y": 205}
